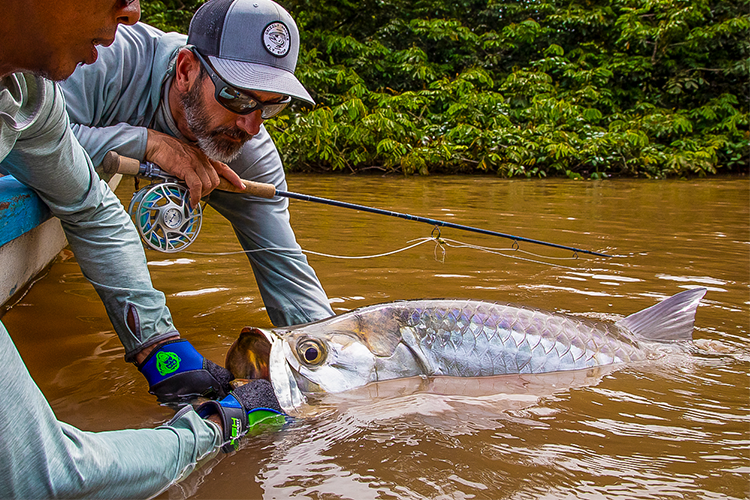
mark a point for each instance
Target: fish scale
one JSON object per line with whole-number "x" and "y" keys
{"x": 530, "y": 340}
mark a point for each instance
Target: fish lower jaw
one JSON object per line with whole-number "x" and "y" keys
{"x": 304, "y": 384}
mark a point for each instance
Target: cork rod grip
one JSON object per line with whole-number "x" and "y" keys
{"x": 259, "y": 189}
{"x": 114, "y": 163}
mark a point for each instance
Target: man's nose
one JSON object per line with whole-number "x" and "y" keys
{"x": 129, "y": 13}
{"x": 250, "y": 123}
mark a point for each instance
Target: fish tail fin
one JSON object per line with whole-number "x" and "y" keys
{"x": 670, "y": 319}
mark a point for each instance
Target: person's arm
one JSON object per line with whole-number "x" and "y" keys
{"x": 184, "y": 161}
{"x": 47, "y": 457}
{"x": 290, "y": 289}
{"x": 48, "y": 159}
{"x": 126, "y": 140}
{"x": 187, "y": 162}
{"x": 44, "y": 458}
{"x": 41, "y": 457}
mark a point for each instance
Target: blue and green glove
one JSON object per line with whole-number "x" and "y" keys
{"x": 244, "y": 409}
{"x": 176, "y": 372}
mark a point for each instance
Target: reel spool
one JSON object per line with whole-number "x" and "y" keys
{"x": 164, "y": 218}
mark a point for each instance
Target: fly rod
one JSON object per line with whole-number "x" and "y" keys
{"x": 114, "y": 163}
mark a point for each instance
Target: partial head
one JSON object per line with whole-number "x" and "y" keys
{"x": 237, "y": 70}
{"x": 251, "y": 44}
{"x": 51, "y": 38}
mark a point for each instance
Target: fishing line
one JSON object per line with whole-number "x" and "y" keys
{"x": 440, "y": 243}
{"x": 443, "y": 242}
{"x": 461, "y": 244}
{"x": 421, "y": 241}
{"x": 498, "y": 251}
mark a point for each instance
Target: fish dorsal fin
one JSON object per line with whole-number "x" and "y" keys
{"x": 670, "y": 319}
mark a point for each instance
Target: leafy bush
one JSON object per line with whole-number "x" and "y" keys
{"x": 577, "y": 88}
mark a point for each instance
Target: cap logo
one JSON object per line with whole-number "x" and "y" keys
{"x": 276, "y": 39}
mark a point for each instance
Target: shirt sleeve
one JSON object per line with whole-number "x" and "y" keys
{"x": 41, "y": 457}
{"x": 48, "y": 159}
{"x": 127, "y": 140}
{"x": 288, "y": 284}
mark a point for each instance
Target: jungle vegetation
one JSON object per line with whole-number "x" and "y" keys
{"x": 535, "y": 88}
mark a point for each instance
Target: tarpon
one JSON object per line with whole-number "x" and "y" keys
{"x": 455, "y": 338}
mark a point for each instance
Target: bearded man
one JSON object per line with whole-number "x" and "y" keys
{"x": 193, "y": 105}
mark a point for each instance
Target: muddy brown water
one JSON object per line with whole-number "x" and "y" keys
{"x": 678, "y": 427}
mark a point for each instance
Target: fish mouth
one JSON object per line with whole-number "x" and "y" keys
{"x": 261, "y": 353}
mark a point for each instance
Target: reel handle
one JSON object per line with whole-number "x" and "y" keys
{"x": 114, "y": 163}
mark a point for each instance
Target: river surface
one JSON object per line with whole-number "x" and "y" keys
{"x": 678, "y": 427}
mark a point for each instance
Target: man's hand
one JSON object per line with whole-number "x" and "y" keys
{"x": 248, "y": 405}
{"x": 187, "y": 162}
{"x": 176, "y": 372}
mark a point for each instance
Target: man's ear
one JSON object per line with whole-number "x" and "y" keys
{"x": 187, "y": 70}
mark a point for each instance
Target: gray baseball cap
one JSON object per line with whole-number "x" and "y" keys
{"x": 252, "y": 44}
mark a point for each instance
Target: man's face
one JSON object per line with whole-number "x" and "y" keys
{"x": 67, "y": 31}
{"x": 219, "y": 132}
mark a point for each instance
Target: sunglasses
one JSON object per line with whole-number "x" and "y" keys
{"x": 236, "y": 100}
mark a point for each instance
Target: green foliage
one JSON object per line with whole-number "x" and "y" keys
{"x": 576, "y": 88}
{"x": 169, "y": 15}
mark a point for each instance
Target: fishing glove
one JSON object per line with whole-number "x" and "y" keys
{"x": 176, "y": 372}
{"x": 243, "y": 409}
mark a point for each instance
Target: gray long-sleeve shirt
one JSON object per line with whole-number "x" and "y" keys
{"x": 114, "y": 101}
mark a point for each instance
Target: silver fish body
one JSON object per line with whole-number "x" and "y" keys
{"x": 461, "y": 338}
{"x": 476, "y": 339}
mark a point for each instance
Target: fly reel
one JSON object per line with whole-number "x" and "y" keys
{"x": 164, "y": 217}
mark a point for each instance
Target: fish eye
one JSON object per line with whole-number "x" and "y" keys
{"x": 311, "y": 351}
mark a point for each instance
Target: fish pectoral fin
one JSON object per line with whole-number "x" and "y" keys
{"x": 670, "y": 319}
